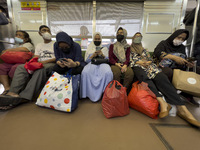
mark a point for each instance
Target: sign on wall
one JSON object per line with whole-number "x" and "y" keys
{"x": 30, "y": 5}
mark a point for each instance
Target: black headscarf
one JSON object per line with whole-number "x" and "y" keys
{"x": 75, "y": 50}
{"x": 167, "y": 45}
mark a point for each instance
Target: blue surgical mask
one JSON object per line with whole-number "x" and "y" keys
{"x": 18, "y": 40}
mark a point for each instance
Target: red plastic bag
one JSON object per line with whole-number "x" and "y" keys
{"x": 142, "y": 99}
{"x": 14, "y": 57}
{"x": 33, "y": 65}
{"x": 115, "y": 101}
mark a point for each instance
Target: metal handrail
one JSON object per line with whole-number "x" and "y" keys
{"x": 6, "y": 42}
{"x": 194, "y": 29}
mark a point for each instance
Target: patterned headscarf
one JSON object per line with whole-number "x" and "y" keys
{"x": 137, "y": 47}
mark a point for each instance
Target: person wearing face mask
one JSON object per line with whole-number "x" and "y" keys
{"x": 173, "y": 52}
{"x": 119, "y": 58}
{"x": 24, "y": 44}
{"x": 94, "y": 78}
{"x": 24, "y": 86}
{"x": 68, "y": 55}
{"x": 146, "y": 71}
{"x": 170, "y": 54}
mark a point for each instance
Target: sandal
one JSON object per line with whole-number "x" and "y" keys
{"x": 5, "y": 108}
{"x": 6, "y": 100}
{"x": 5, "y": 92}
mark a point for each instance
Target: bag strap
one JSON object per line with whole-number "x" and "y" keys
{"x": 68, "y": 75}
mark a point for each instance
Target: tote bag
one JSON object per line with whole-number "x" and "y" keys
{"x": 60, "y": 93}
{"x": 188, "y": 82}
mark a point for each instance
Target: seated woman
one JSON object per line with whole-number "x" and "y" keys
{"x": 170, "y": 54}
{"x": 7, "y": 70}
{"x": 94, "y": 78}
{"x": 119, "y": 57}
{"x": 145, "y": 70}
{"x": 68, "y": 55}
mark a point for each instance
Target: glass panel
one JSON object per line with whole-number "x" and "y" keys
{"x": 111, "y": 16}
{"x": 30, "y": 23}
{"x": 72, "y": 18}
{"x": 160, "y": 23}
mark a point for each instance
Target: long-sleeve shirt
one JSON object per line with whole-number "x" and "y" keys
{"x": 113, "y": 59}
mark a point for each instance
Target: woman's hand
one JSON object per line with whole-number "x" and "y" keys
{"x": 118, "y": 65}
{"x": 148, "y": 63}
{"x": 180, "y": 61}
{"x": 69, "y": 63}
{"x": 143, "y": 63}
{"x": 94, "y": 55}
{"x": 190, "y": 64}
{"x": 60, "y": 63}
{"x": 177, "y": 59}
{"x": 99, "y": 53}
{"x": 124, "y": 69}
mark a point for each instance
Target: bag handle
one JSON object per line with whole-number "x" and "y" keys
{"x": 68, "y": 75}
{"x": 117, "y": 86}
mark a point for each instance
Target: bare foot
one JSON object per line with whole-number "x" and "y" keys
{"x": 12, "y": 94}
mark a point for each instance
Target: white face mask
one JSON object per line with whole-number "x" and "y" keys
{"x": 177, "y": 42}
{"x": 46, "y": 36}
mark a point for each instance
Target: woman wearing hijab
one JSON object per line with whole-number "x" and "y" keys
{"x": 119, "y": 57}
{"x": 68, "y": 55}
{"x": 94, "y": 78}
{"x": 170, "y": 54}
{"x": 145, "y": 70}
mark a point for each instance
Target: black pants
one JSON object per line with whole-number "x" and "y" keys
{"x": 159, "y": 83}
{"x": 60, "y": 70}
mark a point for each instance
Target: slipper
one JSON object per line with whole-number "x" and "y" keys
{"x": 5, "y": 108}
{"x": 5, "y": 92}
{"x": 7, "y": 100}
{"x": 190, "y": 121}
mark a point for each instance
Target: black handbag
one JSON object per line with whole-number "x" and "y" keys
{"x": 99, "y": 60}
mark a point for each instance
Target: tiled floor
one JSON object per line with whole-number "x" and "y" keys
{"x": 29, "y": 127}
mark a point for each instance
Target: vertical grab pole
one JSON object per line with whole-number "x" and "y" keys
{"x": 194, "y": 29}
{"x": 94, "y": 18}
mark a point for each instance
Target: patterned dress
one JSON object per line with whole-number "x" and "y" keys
{"x": 152, "y": 70}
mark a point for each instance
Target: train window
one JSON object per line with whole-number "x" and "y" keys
{"x": 74, "y": 18}
{"x": 111, "y": 16}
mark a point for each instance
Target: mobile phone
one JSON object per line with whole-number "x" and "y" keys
{"x": 190, "y": 59}
{"x": 98, "y": 48}
{"x": 63, "y": 59}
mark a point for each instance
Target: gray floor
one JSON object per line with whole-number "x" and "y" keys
{"x": 29, "y": 127}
